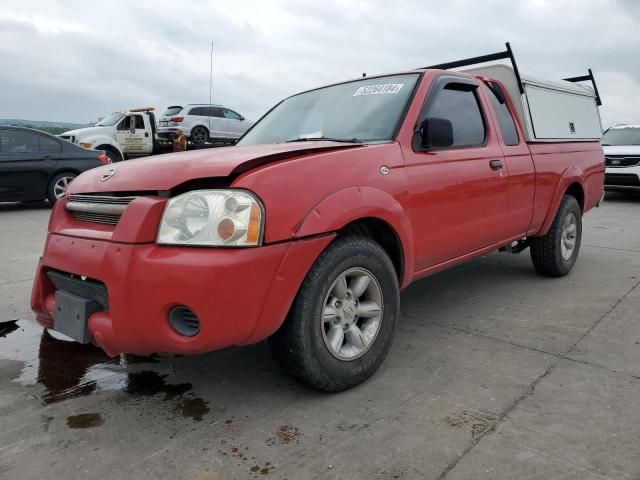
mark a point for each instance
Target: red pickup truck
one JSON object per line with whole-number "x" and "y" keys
{"x": 307, "y": 230}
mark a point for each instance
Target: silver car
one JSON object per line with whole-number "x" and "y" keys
{"x": 202, "y": 123}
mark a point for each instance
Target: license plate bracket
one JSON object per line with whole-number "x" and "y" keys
{"x": 71, "y": 315}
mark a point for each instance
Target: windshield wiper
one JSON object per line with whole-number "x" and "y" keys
{"x": 329, "y": 139}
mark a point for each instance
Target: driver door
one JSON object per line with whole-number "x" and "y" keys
{"x": 459, "y": 192}
{"x": 132, "y": 135}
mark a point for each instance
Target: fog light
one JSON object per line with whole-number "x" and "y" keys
{"x": 184, "y": 321}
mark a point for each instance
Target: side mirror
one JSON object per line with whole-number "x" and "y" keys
{"x": 436, "y": 132}
{"x": 132, "y": 125}
{"x": 241, "y": 118}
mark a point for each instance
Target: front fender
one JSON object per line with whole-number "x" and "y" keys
{"x": 354, "y": 203}
{"x": 571, "y": 175}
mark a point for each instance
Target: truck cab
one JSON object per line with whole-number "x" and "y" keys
{"x": 122, "y": 135}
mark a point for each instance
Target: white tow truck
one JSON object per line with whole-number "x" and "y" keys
{"x": 122, "y": 135}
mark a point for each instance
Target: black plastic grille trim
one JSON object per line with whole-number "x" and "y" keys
{"x": 622, "y": 179}
{"x": 90, "y": 289}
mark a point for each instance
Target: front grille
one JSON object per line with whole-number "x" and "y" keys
{"x": 622, "y": 179}
{"x": 616, "y": 161}
{"x": 98, "y": 208}
{"x": 87, "y": 288}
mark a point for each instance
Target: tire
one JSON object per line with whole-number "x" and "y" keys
{"x": 57, "y": 186}
{"x": 550, "y": 253}
{"x": 199, "y": 135}
{"x": 113, "y": 155}
{"x": 309, "y": 348}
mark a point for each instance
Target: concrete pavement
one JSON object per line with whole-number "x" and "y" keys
{"x": 495, "y": 373}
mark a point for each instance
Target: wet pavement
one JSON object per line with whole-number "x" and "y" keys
{"x": 496, "y": 372}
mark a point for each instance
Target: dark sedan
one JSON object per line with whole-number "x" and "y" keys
{"x": 35, "y": 165}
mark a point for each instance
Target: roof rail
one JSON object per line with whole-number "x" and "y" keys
{"x": 584, "y": 78}
{"x": 508, "y": 53}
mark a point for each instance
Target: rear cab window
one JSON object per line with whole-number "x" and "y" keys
{"x": 505, "y": 119}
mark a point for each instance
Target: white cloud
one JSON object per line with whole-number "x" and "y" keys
{"x": 74, "y": 60}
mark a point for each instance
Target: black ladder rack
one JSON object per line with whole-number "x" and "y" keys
{"x": 508, "y": 54}
{"x": 585, "y": 78}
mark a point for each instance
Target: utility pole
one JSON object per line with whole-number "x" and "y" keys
{"x": 211, "y": 76}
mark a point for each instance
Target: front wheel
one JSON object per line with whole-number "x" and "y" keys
{"x": 343, "y": 319}
{"x": 555, "y": 253}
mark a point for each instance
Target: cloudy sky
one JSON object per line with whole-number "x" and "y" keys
{"x": 76, "y": 60}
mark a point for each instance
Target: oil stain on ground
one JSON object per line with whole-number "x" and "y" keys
{"x": 85, "y": 420}
{"x": 68, "y": 369}
{"x": 195, "y": 408}
{"x": 478, "y": 422}
{"x": 284, "y": 436}
{"x": 150, "y": 383}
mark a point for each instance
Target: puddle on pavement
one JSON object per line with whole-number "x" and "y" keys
{"x": 68, "y": 369}
{"x": 7, "y": 327}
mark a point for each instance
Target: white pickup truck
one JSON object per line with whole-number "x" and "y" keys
{"x": 121, "y": 135}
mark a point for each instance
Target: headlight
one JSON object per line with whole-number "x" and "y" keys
{"x": 225, "y": 218}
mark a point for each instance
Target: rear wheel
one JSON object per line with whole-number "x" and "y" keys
{"x": 58, "y": 186}
{"x": 555, "y": 253}
{"x": 343, "y": 319}
{"x": 199, "y": 135}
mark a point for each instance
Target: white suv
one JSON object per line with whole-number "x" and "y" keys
{"x": 202, "y": 123}
{"x": 621, "y": 146}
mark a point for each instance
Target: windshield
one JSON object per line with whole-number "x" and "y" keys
{"x": 366, "y": 111}
{"x": 110, "y": 120}
{"x": 622, "y": 136}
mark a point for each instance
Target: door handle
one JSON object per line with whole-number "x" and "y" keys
{"x": 495, "y": 164}
{"x": 146, "y": 134}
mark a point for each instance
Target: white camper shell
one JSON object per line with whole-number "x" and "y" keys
{"x": 549, "y": 111}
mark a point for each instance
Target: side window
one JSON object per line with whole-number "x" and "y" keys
{"x": 230, "y": 114}
{"x": 49, "y": 145}
{"x": 16, "y": 141}
{"x": 139, "y": 122}
{"x": 197, "y": 111}
{"x": 505, "y": 120}
{"x": 461, "y": 108}
{"x": 214, "y": 112}
{"x": 125, "y": 123}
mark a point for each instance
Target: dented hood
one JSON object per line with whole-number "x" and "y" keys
{"x": 163, "y": 172}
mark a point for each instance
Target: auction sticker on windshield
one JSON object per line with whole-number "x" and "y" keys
{"x": 379, "y": 89}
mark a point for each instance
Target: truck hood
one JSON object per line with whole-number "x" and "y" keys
{"x": 632, "y": 150}
{"x": 86, "y": 132}
{"x": 163, "y": 172}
